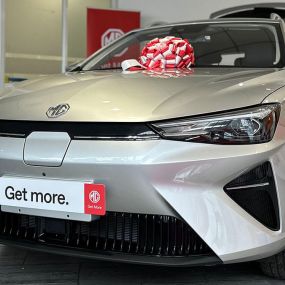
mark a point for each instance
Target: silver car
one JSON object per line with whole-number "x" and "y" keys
{"x": 175, "y": 167}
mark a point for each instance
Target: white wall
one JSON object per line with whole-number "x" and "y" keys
{"x": 178, "y": 10}
{"x": 33, "y": 34}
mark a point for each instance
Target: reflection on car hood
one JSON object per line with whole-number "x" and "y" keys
{"x": 115, "y": 96}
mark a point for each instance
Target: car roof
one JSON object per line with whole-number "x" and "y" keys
{"x": 241, "y": 8}
{"x": 219, "y": 20}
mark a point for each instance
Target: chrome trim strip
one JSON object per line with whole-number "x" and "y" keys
{"x": 12, "y": 135}
{"x": 129, "y": 138}
{"x": 248, "y": 186}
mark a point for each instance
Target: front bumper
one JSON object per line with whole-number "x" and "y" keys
{"x": 179, "y": 179}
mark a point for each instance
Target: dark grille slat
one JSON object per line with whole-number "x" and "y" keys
{"x": 34, "y": 224}
{"x": 98, "y": 235}
{"x": 18, "y": 227}
{"x": 88, "y": 237}
{"x": 175, "y": 236}
{"x": 182, "y": 240}
{"x": 131, "y": 232}
{"x": 153, "y": 235}
{"x": 160, "y": 234}
{"x": 138, "y": 234}
{"x": 36, "y": 232}
{"x": 168, "y": 236}
{"x": 106, "y": 232}
{"x": 68, "y": 231}
{"x": 79, "y": 130}
{"x": 144, "y": 233}
{"x": 115, "y": 233}
{"x": 5, "y": 224}
{"x": 78, "y": 233}
{"x": 11, "y": 225}
{"x": 26, "y": 232}
{"x": 122, "y": 232}
{"x": 188, "y": 242}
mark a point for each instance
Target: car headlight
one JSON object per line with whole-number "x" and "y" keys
{"x": 246, "y": 126}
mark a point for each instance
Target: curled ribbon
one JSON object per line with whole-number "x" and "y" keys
{"x": 168, "y": 52}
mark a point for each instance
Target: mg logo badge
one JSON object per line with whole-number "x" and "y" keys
{"x": 94, "y": 197}
{"x": 59, "y": 110}
{"x": 111, "y": 35}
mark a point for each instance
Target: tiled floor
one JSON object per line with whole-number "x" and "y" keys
{"x": 26, "y": 267}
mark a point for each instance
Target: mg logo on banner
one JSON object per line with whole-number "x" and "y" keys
{"x": 111, "y": 35}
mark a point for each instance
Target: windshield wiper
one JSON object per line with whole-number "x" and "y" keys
{"x": 99, "y": 69}
{"x": 74, "y": 68}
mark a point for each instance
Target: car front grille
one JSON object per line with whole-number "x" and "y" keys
{"x": 79, "y": 130}
{"x": 116, "y": 232}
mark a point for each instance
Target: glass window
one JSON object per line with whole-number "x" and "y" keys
{"x": 215, "y": 44}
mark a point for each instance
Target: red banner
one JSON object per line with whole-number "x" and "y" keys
{"x": 105, "y": 26}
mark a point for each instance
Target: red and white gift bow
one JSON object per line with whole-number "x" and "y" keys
{"x": 168, "y": 52}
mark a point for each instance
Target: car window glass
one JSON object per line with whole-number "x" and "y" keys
{"x": 216, "y": 44}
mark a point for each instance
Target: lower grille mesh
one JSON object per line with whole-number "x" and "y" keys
{"x": 116, "y": 232}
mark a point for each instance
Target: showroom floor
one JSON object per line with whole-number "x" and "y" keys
{"x": 26, "y": 267}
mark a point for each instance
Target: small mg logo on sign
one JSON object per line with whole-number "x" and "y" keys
{"x": 94, "y": 197}
{"x": 56, "y": 111}
{"x": 111, "y": 35}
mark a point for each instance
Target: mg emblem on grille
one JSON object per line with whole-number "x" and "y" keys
{"x": 59, "y": 110}
{"x": 94, "y": 197}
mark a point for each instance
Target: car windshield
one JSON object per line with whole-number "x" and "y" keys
{"x": 236, "y": 44}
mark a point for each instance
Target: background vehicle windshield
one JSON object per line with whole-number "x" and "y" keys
{"x": 215, "y": 44}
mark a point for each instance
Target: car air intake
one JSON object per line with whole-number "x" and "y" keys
{"x": 116, "y": 232}
{"x": 255, "y": 192}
